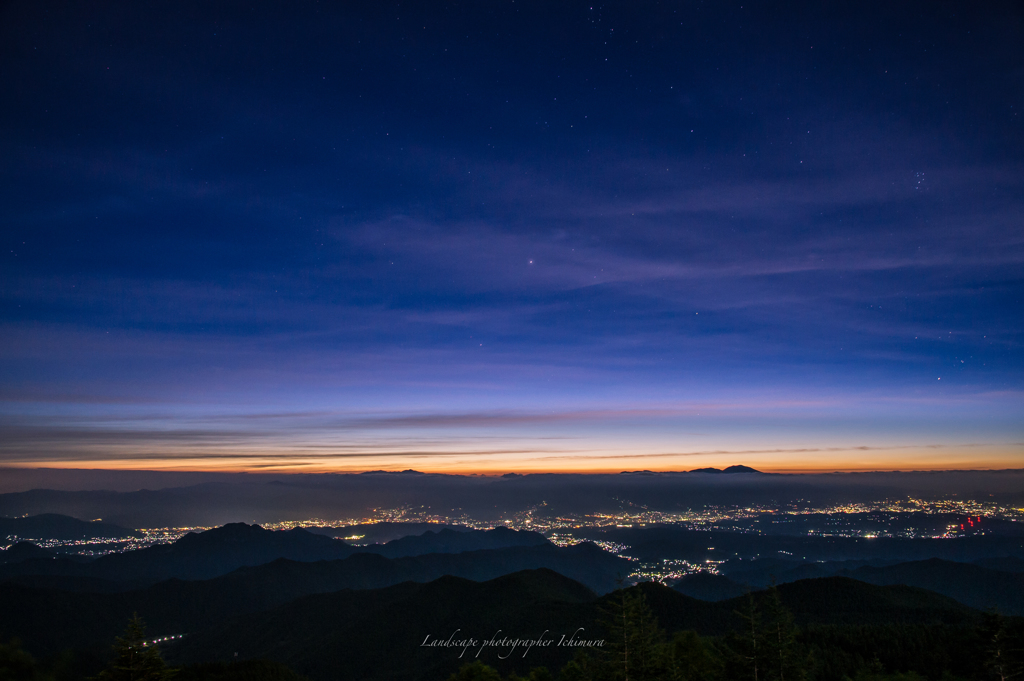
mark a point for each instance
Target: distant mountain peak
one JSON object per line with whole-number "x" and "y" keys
{"x": 407, "y": 471}
{"x": 740, "y": 469}
{"x": 730, "y": 469}
{"x": 227, "y": 532}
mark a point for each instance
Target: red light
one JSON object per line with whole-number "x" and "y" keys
{"x": 961, "y": 527}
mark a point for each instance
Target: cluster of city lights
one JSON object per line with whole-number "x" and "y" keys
{"x": 559, "y": 528}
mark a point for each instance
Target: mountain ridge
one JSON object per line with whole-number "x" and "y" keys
{"x": 60, "y": 526}
{"x": 221, "y": 550}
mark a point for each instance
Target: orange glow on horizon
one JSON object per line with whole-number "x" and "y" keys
{"x": 808, "y": 461}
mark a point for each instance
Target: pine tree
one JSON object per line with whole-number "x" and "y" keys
{"x": 690, "y": 659}
{"x": 766, "y": 648}
{"x": 1004, "y": 647}
{"x": 134, "y": 658}
{"x": 779, "y": 646}
{"x": 584, "y": 666}
{"x": 636, "y": 646}
{"x": 748, "y": 644}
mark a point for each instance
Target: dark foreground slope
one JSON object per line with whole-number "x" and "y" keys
{"x": 87, "y": 619}
{"x": 380, "y": 634}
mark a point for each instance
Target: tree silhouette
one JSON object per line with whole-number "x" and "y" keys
{"x": 636, "y": 646}
{"x": 1004, "y": 647}
{"x": 536, "y": 674}
{"x": 583, "y": 667}
{"x": 16, "y": 664}
{"x": 766, "y": 648}
{"x": 690, "y": 659}
{"x": 475, "y": 671}
{"x": 746, "y": 647}
{"x": 134, "y": 658}
{"x": 779, "y": 648}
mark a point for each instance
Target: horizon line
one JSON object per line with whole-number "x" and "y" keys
{"x": 493, "y": 474}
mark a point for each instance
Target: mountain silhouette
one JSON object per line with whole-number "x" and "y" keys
{"x": 451, "y": 541}
{"x": 705, "y": 586}
{"x": 971, "y": 585}
{"x": 178, "y": 605}
{"x": 23, "y": 551}
{"x": 360, "y": 631}
{"x": 57, "y": 526}
{"x": 204, "y": 555}
{"x": 728, "y": 470}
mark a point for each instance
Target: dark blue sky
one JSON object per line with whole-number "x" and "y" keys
{"x": 512, "y": 235}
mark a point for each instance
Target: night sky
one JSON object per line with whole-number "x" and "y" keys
{"x": 512, "y": 236}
